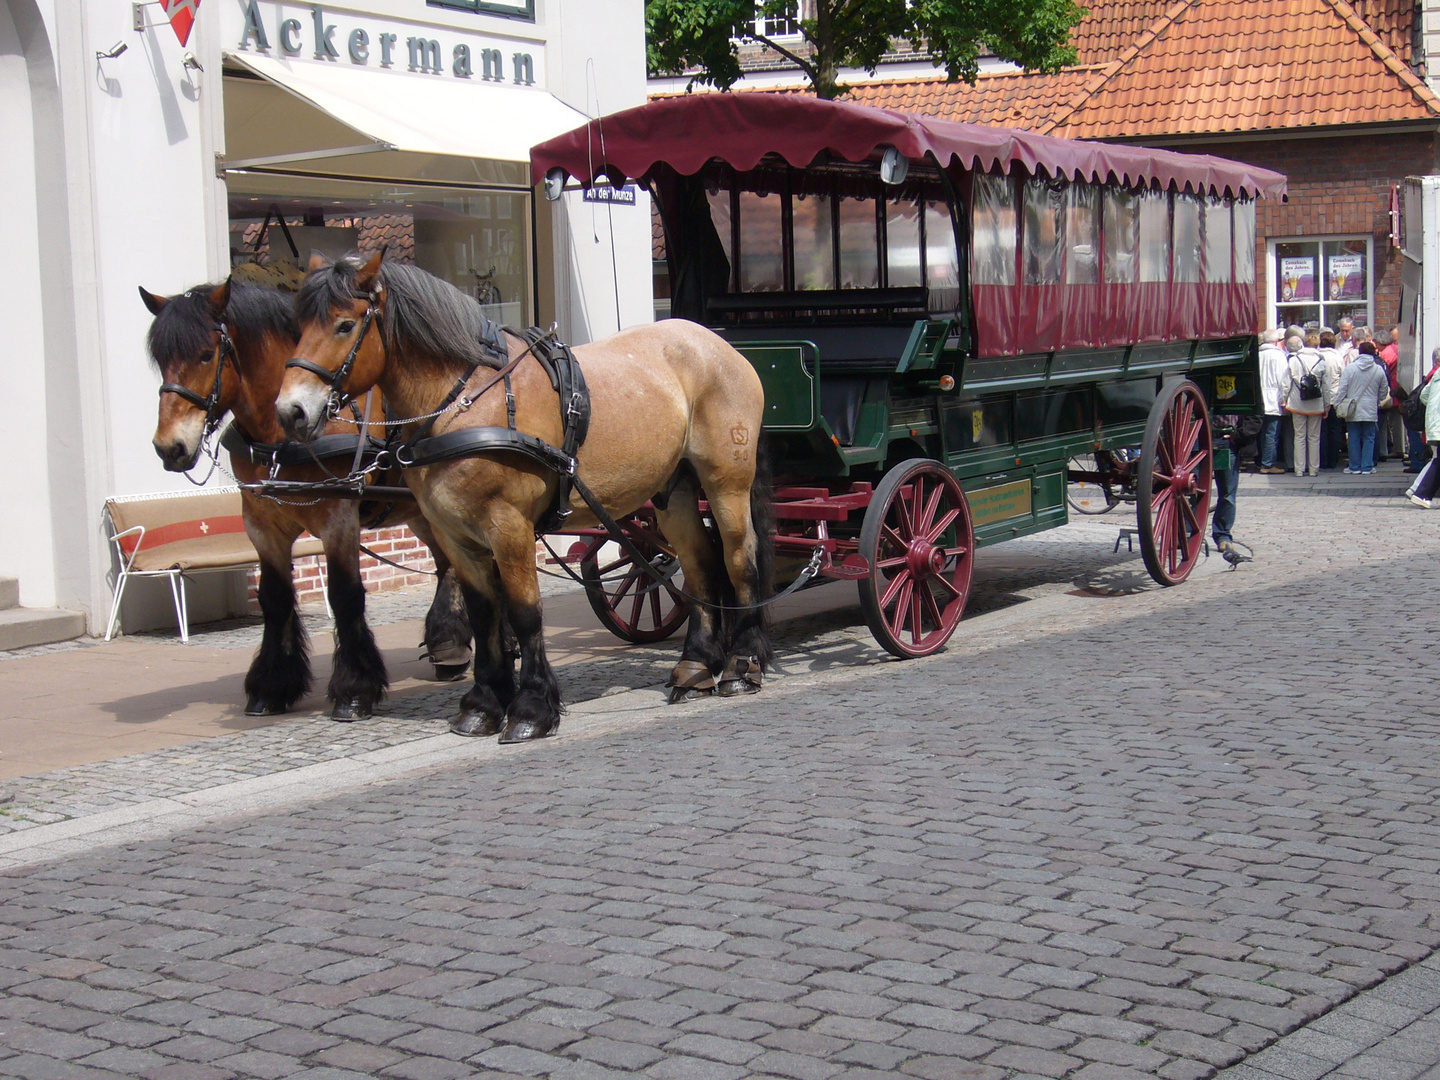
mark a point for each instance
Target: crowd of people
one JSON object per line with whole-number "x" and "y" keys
{"x": 1333, "y": 395}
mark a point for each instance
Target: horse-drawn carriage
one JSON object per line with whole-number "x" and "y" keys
{"x": 956, "y": 326}
{"x": 931, "y": 325}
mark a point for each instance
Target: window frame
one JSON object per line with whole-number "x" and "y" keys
{"x": 1272, "y": 303}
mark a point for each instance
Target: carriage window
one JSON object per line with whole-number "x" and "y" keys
{"x": 942, "y": 262}
{"x": 720, "y": 216}
{"x": 992, "y": 237}
{"x": 1122, "y": 219}
{"x": 814, "y": 243}
{"x": 1154, "y": 235}
{"x": 902, "y": 243}
{"x": 1082, "y": 232}
{"x": 762, "y": 252}
{"x": 1188, "y": 239}
{"x": 1245, "y": 242}
{"x": 1044, "y": 231}
{"x": 859, "y": 245}
{"x": 1217, "y": 240}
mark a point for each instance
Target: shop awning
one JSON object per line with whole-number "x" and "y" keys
{"x": 429, "y": 117}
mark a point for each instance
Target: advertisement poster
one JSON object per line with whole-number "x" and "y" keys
{"x": 1297, "y": 279}
{"x": 1347, "y": 277}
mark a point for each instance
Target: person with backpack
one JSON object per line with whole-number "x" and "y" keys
{"x": 1305, "y": 402}
{"x": 1364, "y": 384}
{"x": 1422, "y": 492}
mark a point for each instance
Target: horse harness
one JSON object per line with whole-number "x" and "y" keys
{"x": 422, "y": 448}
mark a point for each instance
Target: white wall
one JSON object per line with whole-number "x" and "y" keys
{"x": 597, "y": 65}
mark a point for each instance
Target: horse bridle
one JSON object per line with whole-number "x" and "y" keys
{"x": 339, "y": 397}
{"x": 210, "y": 406}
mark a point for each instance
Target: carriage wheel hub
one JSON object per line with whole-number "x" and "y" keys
{"x": 926, "y": 558}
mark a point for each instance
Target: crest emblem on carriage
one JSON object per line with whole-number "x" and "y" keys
{"x": 181, "y": 14}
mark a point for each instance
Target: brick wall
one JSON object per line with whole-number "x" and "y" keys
{"x": 399, "y": 544}
{"x": 1338, "y": 185}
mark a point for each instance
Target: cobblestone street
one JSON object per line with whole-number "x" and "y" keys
{"x": 1113, "y": 831}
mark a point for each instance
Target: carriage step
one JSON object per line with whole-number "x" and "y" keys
{"x": 9, "y": 593}
{"x": 22, "y": 627}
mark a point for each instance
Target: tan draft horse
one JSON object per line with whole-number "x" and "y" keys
{"x": 222, "y": 348}
{"x": 676, "y": 417}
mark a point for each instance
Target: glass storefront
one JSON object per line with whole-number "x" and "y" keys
{"x": 1318, "y": 282}
{"x": 477, "y": 239}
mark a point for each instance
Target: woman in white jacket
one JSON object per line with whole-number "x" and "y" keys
{"x": 1423, "y": 491}
{"x": 1306, "y": 373}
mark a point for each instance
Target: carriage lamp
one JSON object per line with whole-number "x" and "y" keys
{"x": 947, "y": 382}
{"x": 554, "y": 183}
{"x": 894, "y": 166}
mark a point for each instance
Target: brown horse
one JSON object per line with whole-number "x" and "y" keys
{"x": 676, "y": 412}
{"x": 222, "y": 348}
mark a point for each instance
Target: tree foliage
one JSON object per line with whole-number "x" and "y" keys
{"x": 856, "y": 33}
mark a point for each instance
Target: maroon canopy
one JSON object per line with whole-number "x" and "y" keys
{"x": 686, "y": 132}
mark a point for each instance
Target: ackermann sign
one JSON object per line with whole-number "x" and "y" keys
{"x": 410, "y": 50}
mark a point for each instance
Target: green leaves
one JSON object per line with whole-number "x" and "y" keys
{"x": 682, "y": 34}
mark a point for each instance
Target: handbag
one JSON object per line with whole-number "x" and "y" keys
{"x": 1412, "y": 410}
{"x": 1347, "y": 407}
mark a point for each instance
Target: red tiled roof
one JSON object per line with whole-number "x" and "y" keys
{"x": 1393, "y": 22}
{"x": 1201, "y": 67}
{"x": 1111, "y": 26}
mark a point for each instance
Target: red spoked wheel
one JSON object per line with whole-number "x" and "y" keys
{"x": 630, "y": 603}
{"x": 918, "y": 538}
{"x": 1173, "y": 482}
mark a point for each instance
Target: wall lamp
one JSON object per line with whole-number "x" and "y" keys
{"x": 112, "y": 52}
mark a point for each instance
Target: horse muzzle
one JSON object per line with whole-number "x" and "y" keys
{"x": 303, "y": 413}
{"x": 177, "y": 455}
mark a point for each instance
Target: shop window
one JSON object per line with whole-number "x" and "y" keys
{"x": 1122, "y": 221}
{"x": 1245, "y": 242}
{"x": 1318, "y": 282}
{"x": 1188, "y": 240}
{"x": 1082, "y": 234}
{"x": 1044, "y": 251}
{"x": 762, "y": 247}
{"x": 814, "y": 243}
{"x": 1217, "y": 240}
{"x": 942, "y": 260}
{"x": 1154, "y": 235}
{"x": 859, "y": 244}
{"x": 477, "y": 240}
{"x": 992, "y": 235}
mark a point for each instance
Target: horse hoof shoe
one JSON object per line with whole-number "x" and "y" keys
{"x": 254, "y": 707}
{"x": 347, "y": 712}
{"x": 526, "y": 730}
{"x": 474, "y": 725}
{"x": 678, "y": 694}
{"x": 450, "y": 672}
{"x": 737, "y": 687}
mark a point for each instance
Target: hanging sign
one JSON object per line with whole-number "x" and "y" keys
{"x": 1297, "y": 280}
{"x": 181, "y": 14}
{"x": 1347, "y": 277}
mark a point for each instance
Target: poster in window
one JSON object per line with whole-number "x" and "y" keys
{"x": 1297, "y": 279}
{"x": 1347, "y": 277}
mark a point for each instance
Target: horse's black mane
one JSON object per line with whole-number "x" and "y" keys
{"x": 422, "y": 313}
{"x": 185, "y": 325}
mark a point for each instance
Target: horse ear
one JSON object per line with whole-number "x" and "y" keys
{"x": 317, "y": 262}
{"x": 366, "y": 278}
{"x": 220, "y": 298}
{"x": 152, "y": 302}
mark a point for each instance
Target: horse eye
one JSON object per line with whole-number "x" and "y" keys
{"x": 345, "y": 327}
{"x": 206, "y": 357}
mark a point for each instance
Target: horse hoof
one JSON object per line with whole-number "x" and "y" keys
{"x": 476, "y": 725}
{"x": 256, "y": 707}
{"x": 526, "y": 730}
{"x": 450, "y": 672}
{"x": 736, "y": 687}
{"x": 678, "y": 694}
{"x": 742, "y": 675}
{"x": 347, "y": 712}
